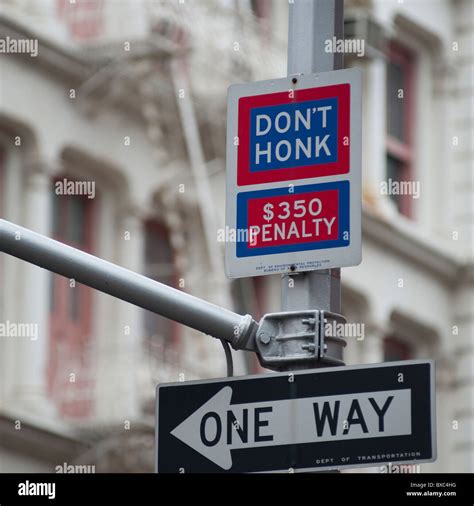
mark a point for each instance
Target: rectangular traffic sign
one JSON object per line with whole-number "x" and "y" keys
{"x": 321, "y": 218}
{"x": 285, "y": 137}
{"x": 299, "y": 421}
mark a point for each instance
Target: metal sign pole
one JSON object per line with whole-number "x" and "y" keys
{"x": 127, "y": 285}
{"x": 311, "y": 23}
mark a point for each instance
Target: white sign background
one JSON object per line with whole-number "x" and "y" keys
{"x": 300, "y": 260}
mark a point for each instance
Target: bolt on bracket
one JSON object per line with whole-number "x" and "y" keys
{"x": 304, "y": 338}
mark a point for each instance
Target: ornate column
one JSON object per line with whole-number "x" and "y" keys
{"x": 374, "y": 115}
{"x": 33, "y": 299}
{"x": 129, "y": 336}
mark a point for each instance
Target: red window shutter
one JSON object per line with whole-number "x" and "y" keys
{"x": 161, "y": 333}
{"x": 84, "y": 18}
{"x": 400, "y": 120}
{"x": 396, "y": 349}
{"x": 70, "y": 374}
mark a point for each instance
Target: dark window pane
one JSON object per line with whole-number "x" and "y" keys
{"x": 159, "y": 265}
{"x": 52, "y": 295}
{"x": 76, "y": 219}
{"x": 395, "y": 103}
{"x": 394, "y": 175}
{"x": 150, "y": 323}
{"x": 396, "y": 349}
{"x": 257, "y": 7}
{"x": 350, "y": 28}
{"x": 56, "y": 213}
{"x": 75, "y": 303}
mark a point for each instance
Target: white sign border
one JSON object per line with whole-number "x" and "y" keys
{"x": 301, "y": 261}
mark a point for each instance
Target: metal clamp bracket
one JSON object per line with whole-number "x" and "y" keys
{"x": 306, "y": 338}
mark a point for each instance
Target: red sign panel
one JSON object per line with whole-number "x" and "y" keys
{"x": 293, "y": 219}
{"x": 295, "y": 134}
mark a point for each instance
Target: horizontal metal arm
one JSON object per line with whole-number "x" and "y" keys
{"x": 128, "y": 286}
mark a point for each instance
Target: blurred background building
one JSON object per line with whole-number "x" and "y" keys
{"x": 129, "y": 96}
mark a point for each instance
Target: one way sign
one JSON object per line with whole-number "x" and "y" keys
{"x": 319, "y": 419}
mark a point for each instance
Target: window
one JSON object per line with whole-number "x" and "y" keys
{"x": 161, "y": 333}
{"x": 261, "y": 8}
{"x": 84, "y": 19}
{"x": 70, "y": 367}
{"x": 396, "y": 349}
{"x": 400, "y": 91}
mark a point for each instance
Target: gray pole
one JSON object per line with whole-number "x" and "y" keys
{"x": 127, "y": 285}
{"x": 311, "y": 23}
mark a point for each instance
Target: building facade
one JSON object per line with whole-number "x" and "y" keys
{"x": 112, "y": 140}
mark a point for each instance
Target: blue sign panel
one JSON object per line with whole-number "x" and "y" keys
{"x": 293, "y": 134}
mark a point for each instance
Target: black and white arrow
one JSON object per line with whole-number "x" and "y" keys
{"x": 218, "y": 427}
